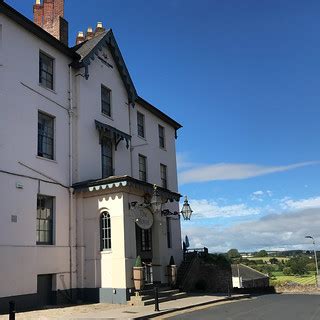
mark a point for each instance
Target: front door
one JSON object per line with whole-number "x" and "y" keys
{"x": 144, "y": 250}
{"x": 44, "y": 289}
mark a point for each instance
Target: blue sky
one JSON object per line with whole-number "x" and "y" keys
{"x": 243, "y": 78}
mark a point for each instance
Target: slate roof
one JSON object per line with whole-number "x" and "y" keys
{"x": 246, "y": 273}
{"x": 84, "y": 48}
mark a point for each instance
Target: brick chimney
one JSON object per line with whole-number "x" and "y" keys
{"x": 49, "y": 16}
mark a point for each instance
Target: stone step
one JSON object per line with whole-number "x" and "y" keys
{"x": 150, "y": 301}
{"x": 165, "y": 293}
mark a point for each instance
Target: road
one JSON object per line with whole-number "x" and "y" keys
{"x": 267, "y": 307}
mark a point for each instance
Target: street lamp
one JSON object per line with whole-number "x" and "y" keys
{"x": 156, "y": 201}
{"x": 186, "y": 210}
{"x": 315, "y": 256}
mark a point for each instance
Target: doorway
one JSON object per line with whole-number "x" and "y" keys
{"x": 44, "y": 289}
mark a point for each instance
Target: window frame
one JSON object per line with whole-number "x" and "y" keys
{"x": 164, "y": 180}
{"x": 162, "y": 138}
{"x": 141, "y": 172}
{"x": 146, "y": 240}
{"x": 105, "y": 231}
{"x": 51, "y": 229}
{"x": 41, "y": 153}
{"x": 43, "y": 83}
{"x": 104, "y": 171}
{"x": 141, "y": 127}
{"x": 104, "y": 112}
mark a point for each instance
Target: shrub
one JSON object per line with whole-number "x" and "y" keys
{"x": 201, "y": 285}
{"x": 138, "y": 262}
{"x": 171, "y": 263}
{"x": 287, "y": 271}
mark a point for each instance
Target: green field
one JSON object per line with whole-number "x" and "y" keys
{"x": 266, "y": 259}
{"x": 279, "y": 278}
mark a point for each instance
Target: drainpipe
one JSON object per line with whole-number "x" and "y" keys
{"x": 129, "y": 112}
{"x": 70, "y": 174}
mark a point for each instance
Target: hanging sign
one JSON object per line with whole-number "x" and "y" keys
{"x": 144, "y": 218}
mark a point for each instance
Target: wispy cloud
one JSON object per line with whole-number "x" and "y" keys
{"x": 290, "y": 204}
{"x": 274, "y": 231}
{"x": 233, "y": 171}
{"x": 211, "y": 209}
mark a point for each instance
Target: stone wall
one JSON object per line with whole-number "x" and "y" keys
{"x": 208, "y": 277}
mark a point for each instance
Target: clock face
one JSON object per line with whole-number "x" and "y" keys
{"x": 144, "y": 218}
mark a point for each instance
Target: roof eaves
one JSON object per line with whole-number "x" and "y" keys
{"x": 176, "y": 125}
{"x": 36, "y": 30}
{"x": 109, "y": 39}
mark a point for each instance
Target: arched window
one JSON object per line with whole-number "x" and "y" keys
{"x": 105, "y": 231}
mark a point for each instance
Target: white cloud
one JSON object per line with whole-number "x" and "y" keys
{"x": 274, "y": 231}
{"x": 233, "y": 171}
{"x": 289, "y": 204}
{"x": 260, "y": 195}
{"x": 211, "y": 209}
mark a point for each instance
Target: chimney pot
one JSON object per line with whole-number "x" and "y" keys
{"x": 99, "y": 28}
{"x": 89, "y": 34}
{"x": 80, "y": 37}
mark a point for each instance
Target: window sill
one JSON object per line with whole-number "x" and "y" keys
{"x": 105, "y": 115}
{"x": 108, "y": 251}
{"x": 44, "y": 87}
{"x": 142, "y": 138}
{"x": 50, "y": 160}
{"x": 45, "y": 245}
{"x": 164, "y": 149}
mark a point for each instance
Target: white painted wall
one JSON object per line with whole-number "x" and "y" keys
{"x": 21, "y": 97}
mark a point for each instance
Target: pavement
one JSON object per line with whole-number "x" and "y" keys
{"x": 111, "y": 311}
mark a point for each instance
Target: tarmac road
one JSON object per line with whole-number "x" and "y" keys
{"x": 267, "y": 307}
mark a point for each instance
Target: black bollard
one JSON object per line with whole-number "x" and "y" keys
{"x": 156, "y": 298}
{"x": 12, "y": 310}
{"x": 229, "y": 291}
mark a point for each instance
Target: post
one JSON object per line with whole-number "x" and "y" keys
{"x": 12, "y": 310}
{"x": 229, "y": 294}
{"x": 316, "y": 261}
{"x": 156, "y": 298}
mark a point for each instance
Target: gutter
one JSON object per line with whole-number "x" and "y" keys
{"x": 71, "y": 210}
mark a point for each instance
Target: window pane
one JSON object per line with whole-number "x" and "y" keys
{"x": 105, "y": 101}
{"x": 142, "y": 168}
{"x": 106, "y": 158}
{"x": 46, "y": 70}
{"x": 105, "y": 232}
{"x": 161, "y": 137}
{"x": 44, "y": 222}
{"x": 45, "y": 136}
{"x": 140, "y": 122}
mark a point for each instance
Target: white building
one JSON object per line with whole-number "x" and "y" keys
{"x": 79, "y": 154}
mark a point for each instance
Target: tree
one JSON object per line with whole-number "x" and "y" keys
{"x": 287, "y": 271}
{"x": 261, "y": 253}
{"x": 233, "y": 253}
{"x": 274, "y": 261}
{"x": 298, "y": 265}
